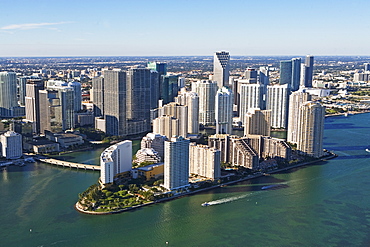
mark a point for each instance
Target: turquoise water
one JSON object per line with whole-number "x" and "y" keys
{"x": 327, "y": 204}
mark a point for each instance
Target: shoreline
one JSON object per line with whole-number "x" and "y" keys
{"x": 78, "y": 207}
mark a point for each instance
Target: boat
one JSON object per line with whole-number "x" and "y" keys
{"x": 269, "y": 186}
{"x": 367, "y": 150}
{"x": 205, "y": 204}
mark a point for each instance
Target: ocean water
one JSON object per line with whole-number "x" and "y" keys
{"x": 326, "y": 204}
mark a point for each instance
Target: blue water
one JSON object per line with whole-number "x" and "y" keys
{"x": 326, "y": 204}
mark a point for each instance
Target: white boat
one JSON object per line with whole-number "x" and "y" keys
{"x": 205, "y": 204}
{"x": 367, "y": 150}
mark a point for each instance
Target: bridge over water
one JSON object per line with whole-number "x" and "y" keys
{"x": 67, "y": 164}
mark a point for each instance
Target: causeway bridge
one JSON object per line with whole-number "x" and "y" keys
{"x": 67, "y": 164}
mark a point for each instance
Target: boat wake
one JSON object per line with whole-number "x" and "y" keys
{"x": 225, "y": 200}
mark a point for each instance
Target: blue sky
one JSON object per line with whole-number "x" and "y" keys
{"x": 183, "y": 27}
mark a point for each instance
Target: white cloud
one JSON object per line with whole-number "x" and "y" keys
{"x": 28, "y": 26}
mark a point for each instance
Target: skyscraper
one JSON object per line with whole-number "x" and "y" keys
{"x": 98, "y": 96}
{"x": 309, "y": 70}
{"x": 296, "y": 99}
{"x": 224, "y": 111}
{"x": 277, "y": 102}
{"x": 114, "y": 160}
{"x": 311, "y": 129}
{"x": 166, "y": 125}
{"x": 251, "y": 96}
{"x": 11, "y": 145}
{"x": 367, "y": 67}
{"x": 32, "y": 101}
{"x": 77, "y": 95}
{"x": 138, "y": 97}
{"x": 161, "y": 69}
{"x": 296, "y": 73}
{"x": 206, "y": 91}
{"x": 179, "y": 112}
{"x": 176, "y": 163}
{"x": 285, "y": 72}
{"x": 8, "y": 94}
{"x": 115, "y": 102}
{"x": 170, "y": 88}
{"x": 257, "y": 122}
{"x": 204, "y": 161}
{"x": 221, "y": 68}
{"x": 190, "y": 99}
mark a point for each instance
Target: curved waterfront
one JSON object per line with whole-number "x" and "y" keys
{"x": 325, "y": 204}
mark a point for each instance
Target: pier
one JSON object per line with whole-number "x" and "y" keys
{"x": 67, "y": 164}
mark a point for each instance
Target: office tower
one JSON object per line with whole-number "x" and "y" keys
{"x": 114, "y": 160}
{"x": 179, "y": 112}
{"x": 21, "y": 90}
{"x": 8, "y": 94}
{"x": 311, "y": 129}
{"x": 191, "y": 100}
{"x": 77, "y": 95}
{"x": 224, "y": 111}
{"x": 221, "y": 68}
{"x": 33, "y": 104}
{"x": 277, "y": 102}
{"x": 44, "y": 108}
{"x": 166, "y": 125}
{"x": 155, "y": 141}
{"x": 296, "y": 99}
{"x": 257, "y": 122}
{"x": 206, "y": 91}
{"x": 181, "y": 82}
{"x": 296, "y": 73}
{"x": 251, "y": 96}
{"x": 176, "y": 163}
{"x": 154, "y": 89}
{"x": 309, "y": 70}
{"x": 115, "y": 102}
{"x": 170, "y": 88}
{"x": 138, "y": 97}
{"x": 367, "y": 67}
{"x": 204, "y": 161}
{"x": 251, "y": 75}
{"x": 11, "y": 145}
{"x": 161, "y": 69}
{"x": 285, "y": 72}
{"x": 98, "y": 96}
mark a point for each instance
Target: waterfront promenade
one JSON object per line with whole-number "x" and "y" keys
{"x": 67, "y": 164}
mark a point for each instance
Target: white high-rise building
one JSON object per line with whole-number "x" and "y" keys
{"x": 166, "y": 125}
{"x": 180, "y": 112}
{"x": 11, "y": 145}
{"x": 8, "y": 93}
{"x": 296, "y": 99}
{"x": 176, "y": 163}
{"x": 224, "y": 111}
{"x": 114, "y": 160}
{"x": 251, "y": 96}
{"x": 311, "y": 129}
{"x": 277, "y": 102}
{"x": 204, "y": 161}
{"x": 190, "y": 99}
{"x": 221, "y": 68}
{"x": 206, "y": 91}
{"x": 257, "y": 122}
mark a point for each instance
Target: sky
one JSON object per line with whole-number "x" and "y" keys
{"x": 184, "y": 27}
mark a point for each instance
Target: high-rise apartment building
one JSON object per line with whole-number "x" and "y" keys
{"x": 98, "y": 96}
{"x": 251, "y": 96}
{"x": 191, "y": 100}
{"x": 176, "y": 163}
{"x": 204, "y": 161}
{"x": 8, "y": 94}
{"x": 296, "y": 99}
{"x": 309, "y": 70}
{"x": 311, "y": 129}
{"x": 257, "y": 122}
{"x": 367, "y": 67}
{"x": 115, "y": 102}
{"x": 206, "y": 91}
{"x": 11, "y": 145}
{"x": 114, "y": 160}
{"x": 221, "y": 68}
{"x": 277, "y": 102}
{"x": 224, "y": 111}
{"x": 77, "y": 104}
{"x": 138, "y": 97}
{"x": 32, "y": 101}
{"x": 155, "y": 141}
{"x": 179, "y": 112}
{"x": 167, "y": 126}
{"x": 296, "y": 73}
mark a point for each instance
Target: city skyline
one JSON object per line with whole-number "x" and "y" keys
{"x": 123, "y": 28}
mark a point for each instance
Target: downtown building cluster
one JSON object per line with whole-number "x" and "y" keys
{"x": 223, "y": 102}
